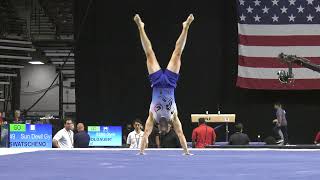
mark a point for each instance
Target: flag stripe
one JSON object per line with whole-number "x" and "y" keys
{"x": 279, "y": 30}
{"x": 274, "y": 84}
{"x": 279, "y": 40}
{"x": 268, "y": 28}
{"x": 271, "y": 73}
{"x": 268, "y": 62}
{"x": 271, "y": 51}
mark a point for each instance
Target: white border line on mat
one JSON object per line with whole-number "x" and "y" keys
{"x": 9, "y": 151}
{"x": 191, "y": 149}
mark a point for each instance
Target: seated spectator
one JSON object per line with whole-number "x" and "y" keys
{"x": 169, "y": 139}
{"x": 17, "y": 117}
{"x": 1, "y": 119}
{"x": 126, "y": 132}
{"x": 203, "y": 135}
{"x": 239, "y": 138}
{"x": 82, "y": 138}
{"x": 4, "y": 138}
{"x": 317, "y": 139}
{"x": 64, "y": 137}
{"x": 135, "y": 137}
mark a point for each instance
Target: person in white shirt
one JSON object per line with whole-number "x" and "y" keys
{"x": 64, "y": 137}
{"x": 135, "y": 137}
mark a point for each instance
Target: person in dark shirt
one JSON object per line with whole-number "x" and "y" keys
{"x": 82, "y": 138}
{"x": 281, "y": 121}
{"x": 169, "y": 139}
{"x": 125, "y": 134}
{"x": 277, "y": 134}
{"x": 154, "y": 138}
{"x": 239, "y": 138}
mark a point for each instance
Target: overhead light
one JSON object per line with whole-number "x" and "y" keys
{"x": 36, "y": 62}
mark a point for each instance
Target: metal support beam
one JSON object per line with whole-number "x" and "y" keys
{"x": 17, "y": 48}
{"x": 59, "y": 54}
{"x": 15, "y": 41}
{"x": 15, "y": 57}
{"x": 8, "y": 75}
{"x": 69, "y": 103}
{"x": 15, "y": 92}
{"x": 11, "y": 66}
{"x": 61, "y": 116}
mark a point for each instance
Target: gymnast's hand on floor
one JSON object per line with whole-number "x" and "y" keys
{"x": 141, "y": 153}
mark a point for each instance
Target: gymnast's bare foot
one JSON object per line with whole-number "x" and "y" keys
{"x": 138, "y": 21}
{"x": 189, "y": 20}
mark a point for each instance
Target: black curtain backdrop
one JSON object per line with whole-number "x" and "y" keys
{"x": 112, "y": 87}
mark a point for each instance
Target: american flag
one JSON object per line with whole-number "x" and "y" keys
{"x": 267, "y": 28}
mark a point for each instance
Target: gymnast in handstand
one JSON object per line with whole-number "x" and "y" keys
{"x": 163, "y": 82}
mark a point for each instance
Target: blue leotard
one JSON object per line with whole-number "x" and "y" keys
{"x": 163, "y": 83}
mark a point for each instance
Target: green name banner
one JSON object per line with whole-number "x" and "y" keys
{"x": 94, "y": 128}
{"x": 17, "y": 127}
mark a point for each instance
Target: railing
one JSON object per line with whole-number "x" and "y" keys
{"x": 40, "y": 22}
{"x": 10, "y": 24}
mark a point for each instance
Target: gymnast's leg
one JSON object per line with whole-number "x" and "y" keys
{"x": 152, "y": 63}
{"x": 175, "y": 61}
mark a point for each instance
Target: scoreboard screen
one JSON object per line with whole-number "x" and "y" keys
{"x": 105, "y": 135}
{"x": 30, "y": 136}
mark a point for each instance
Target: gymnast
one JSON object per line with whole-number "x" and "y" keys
{"x": 163, "y": 82}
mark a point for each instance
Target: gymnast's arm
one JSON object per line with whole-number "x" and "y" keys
{"x": 147, "y": 143}
{"x": 194, "y": 138}
{"x": 158, "y": 141}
